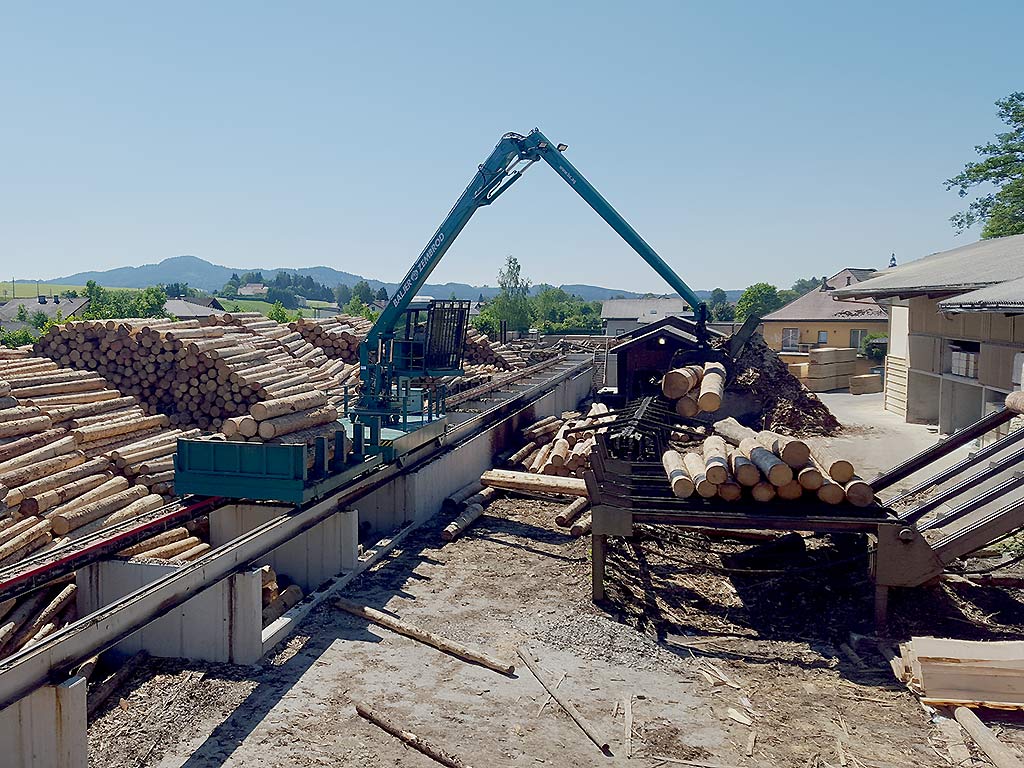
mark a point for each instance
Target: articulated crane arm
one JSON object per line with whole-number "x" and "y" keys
{"x": 506, "y": 164}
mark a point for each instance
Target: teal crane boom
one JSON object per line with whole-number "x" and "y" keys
{"x": 513, "y": 154}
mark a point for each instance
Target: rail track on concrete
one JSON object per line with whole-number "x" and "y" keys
{"x": 51, "y": 659}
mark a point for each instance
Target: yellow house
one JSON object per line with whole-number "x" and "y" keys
{"x": 817, "y": 319}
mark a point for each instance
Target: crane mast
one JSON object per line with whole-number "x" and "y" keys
{"x": 513, "y": 154}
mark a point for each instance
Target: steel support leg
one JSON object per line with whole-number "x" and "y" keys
{"x": 598, "y": 555}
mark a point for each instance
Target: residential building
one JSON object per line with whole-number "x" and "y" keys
{"x": 186, "y": 309}
{"x": 49, "y": 305}
{"x": 956, "y": 331}
{"x": 253, "y": 289}
{"x": 818, "y": 319}
{"x": 623, "y": 315}
{"x": 646, "y": 353}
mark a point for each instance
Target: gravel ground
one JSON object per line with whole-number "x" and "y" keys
{"x": 721, "y": 668}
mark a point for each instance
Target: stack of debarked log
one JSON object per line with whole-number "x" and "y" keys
{"x": 737, "y": 462}
{"x": 195, "y": 375}
{"x": 560, "y": 446}
{"x": 695, "y": 388}
{"x": 301, "y": 416}
{"x": 28, "y": 619}
{"x": 338, "y": 336}
{"x": 56, "y": 475}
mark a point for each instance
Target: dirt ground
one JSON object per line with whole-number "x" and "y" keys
{"x": 723, "y": 668}
{"x": 729, "y": 656}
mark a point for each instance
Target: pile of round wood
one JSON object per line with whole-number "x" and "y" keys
{"x": 478, "y": 350}
{"x": 27, "y": 620}
{"x": 177, "y": 545}
{"x": 561, "y": 446}
{"x": 338, "y": 336}
{"x": 195, "y": 375}
{"x": 737, "y": 462}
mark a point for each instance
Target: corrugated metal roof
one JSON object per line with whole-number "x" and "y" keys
{"x": 1002, "y": 297}
{"x": 821, "y": 305}
{"x": 644, "y": 310}
{"x": 181, "y": 308}
{"x": 967, "y": 268}
{"x": 65, "y": 306}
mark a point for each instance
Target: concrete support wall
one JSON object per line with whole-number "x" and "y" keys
{"x": 46, "y": 728}
{"x": 223, "y": 623}
{"x": 308, "y": 560}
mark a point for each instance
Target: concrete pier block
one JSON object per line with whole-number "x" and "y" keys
{"x": 47, "y": 728}
{"x": 223, "y": 623}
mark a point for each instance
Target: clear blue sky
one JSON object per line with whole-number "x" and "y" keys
{"x": 745, "y": 142}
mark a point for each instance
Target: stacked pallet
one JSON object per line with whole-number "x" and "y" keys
{"x": 945, "y": 672}
{"x": 866, "y": 384}
{"x": 695, "y": 388}
{"x": 338, "y": 336}
{"x": 830, "y": 368}
{"x": 737, "y": 462}
{"x": 29, "y": 619}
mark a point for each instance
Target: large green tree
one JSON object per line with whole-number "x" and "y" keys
{"x": 512, "y": 302}
{"x": 1002, "y": 165}
{"x": 759, "y": 299}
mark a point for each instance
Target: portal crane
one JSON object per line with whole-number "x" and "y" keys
{"x": 385, "y": 361}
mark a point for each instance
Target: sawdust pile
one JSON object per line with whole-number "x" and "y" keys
{"x": 788, "y": 407}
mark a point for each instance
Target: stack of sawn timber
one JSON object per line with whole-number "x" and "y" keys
{"x": 695, "y": 388}
{"x": 736, "y": 461}
{"x": 946, "y": 672}
{"x": 829, "y": 368}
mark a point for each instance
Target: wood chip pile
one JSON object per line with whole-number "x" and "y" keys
{"x": 737, "y": 462}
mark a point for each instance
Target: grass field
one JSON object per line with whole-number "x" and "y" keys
{"x": 28, "y": 290}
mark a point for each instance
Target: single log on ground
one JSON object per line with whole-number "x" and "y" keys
{"x": 582, "y": 526}
{"x": 435, "y": 753}
{"x": 101, "y": 691}
{"x": 453, "y": 501}
{"x": 429, "y": 638}
{"x": 283, "y": 603}
{"x": 567, "y": 514}
{"x": 678, "y": 477}
{"x": 563, "y": 701}
{"x": 524, "y": 481}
